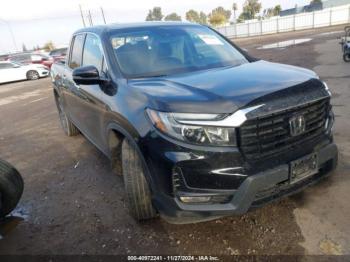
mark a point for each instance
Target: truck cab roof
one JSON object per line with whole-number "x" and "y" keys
{"x": 100, "y": 29}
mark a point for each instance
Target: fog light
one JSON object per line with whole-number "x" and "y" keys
{"x": 196, "y": 199}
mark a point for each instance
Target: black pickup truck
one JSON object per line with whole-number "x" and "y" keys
{"x": 198, "y": 128}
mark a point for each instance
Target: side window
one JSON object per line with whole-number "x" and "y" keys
{"x": 76, "y": 52}
{"x": 92, "y": 54}
{"x": 6, "y": 65}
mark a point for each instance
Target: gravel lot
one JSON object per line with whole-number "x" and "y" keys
{"x": 74, "y": 204}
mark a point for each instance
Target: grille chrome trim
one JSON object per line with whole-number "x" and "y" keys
{"x": 234, "y": 120}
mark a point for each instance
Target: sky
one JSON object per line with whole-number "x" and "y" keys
{"x": 35, "y": 22}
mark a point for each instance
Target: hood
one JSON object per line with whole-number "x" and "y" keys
{"x": 221, "y": 90}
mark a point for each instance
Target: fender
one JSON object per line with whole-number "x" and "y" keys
{"x": 133, "y": 137}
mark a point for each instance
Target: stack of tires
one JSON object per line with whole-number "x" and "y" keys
{"x": 11, "y": 188}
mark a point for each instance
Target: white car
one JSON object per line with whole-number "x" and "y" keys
{"x": 10, "y": 71}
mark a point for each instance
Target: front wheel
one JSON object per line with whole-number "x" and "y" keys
{"x": 33, "y": 75}
{"x": 136, "y": 186}
{"x": 11, "y": 188}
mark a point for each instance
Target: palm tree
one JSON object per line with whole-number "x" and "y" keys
{"x": 234, "y": 8}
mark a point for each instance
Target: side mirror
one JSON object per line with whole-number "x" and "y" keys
{"x": 87, "y": 75}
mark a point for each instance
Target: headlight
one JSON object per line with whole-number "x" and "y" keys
{"x": 170, "y": 124}
{"x": 327, "y": 89}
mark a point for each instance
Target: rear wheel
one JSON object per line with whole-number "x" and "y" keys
{"x": 346, "y": 57}
{"x": 33, "y": 75}
{"x": 136, "y": 186}
{"x": 67, "y": 126}
{"x": 11, "y": 188}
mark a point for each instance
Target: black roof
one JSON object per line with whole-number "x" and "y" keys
{"x": 109, "y": 27}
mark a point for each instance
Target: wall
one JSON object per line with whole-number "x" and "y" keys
{"x": 326, "y": 17}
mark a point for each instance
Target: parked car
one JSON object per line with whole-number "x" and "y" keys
{"x": 202, "y": 129}
{"x": 58, "y": 54}
{"x": 345, "y": 44}
{"x": 11, "y": 188}
{"x": 3, "y": 57}
{"x": 31, "y": 58}
{"x": 10, "y": 71}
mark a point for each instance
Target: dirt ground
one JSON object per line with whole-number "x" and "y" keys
{"x": 74, "y": 204}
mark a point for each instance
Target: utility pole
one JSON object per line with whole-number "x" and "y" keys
{"x": 103, "y": 15}
{"x": 90, "y": 18}
{"x": 82, "y": 16}
{"x": 11, "y": 32}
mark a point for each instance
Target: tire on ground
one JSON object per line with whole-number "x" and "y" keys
{"x": 68, "y": 127}
{"x": 11, "y": 188}
{"x": 136, "y": 186}
{"x": 33, "y": 75}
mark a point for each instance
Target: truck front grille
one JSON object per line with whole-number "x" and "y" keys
{"x": 270, "y": 134}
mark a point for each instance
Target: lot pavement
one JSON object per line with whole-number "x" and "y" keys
{"x": 74, "y": 204}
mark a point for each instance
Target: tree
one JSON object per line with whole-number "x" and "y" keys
{"x": 234, "y": 8}
{"x": 217, "y": 19}
{"x": 173, "y": 17}
{"x": 277, "y": 10}
{"x": 203, "y": 18}
{"x": 219, "y": 16}
{"x": 155, "y": 14}
{"x": 24, "y": 48}
{"x": 250, "y": 9}
{"x": 192, "y": 16}
{"x": 49, "y": 46}
{"x": 313, "y": 2}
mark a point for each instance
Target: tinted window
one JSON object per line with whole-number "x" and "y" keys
{"x": 6, "y": 65}
{"x": 58, "y": 52}
{"x": 167, "y": 50}
{"x": 21, "y": 58}
{"x": 92, "y": 52}
{"x": 76, "y": 52}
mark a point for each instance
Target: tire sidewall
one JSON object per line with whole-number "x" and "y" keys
{"x": 11, "y": 188}
{"x": 30, "y": 74}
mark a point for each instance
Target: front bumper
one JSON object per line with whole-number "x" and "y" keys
{"x": 256, "y": 190}
{"x": 44, "y": 73}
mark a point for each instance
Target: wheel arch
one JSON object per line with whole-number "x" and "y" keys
{"x": 115, "y": 135}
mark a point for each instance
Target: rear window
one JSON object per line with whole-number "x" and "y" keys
{"x": 58, "y": 52}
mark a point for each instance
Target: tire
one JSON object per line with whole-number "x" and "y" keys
{"x": 68, "y": 127}
{"x": 11, "y": 188}
{"x": 136, "y": 186}
{"x": 33, "y": 75}
{"x": 346, "y": 57}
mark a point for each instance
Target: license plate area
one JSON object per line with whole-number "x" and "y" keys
{"x": 303, "y": 168}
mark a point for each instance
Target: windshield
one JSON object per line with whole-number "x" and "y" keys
{"x": 168, "y": 50}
